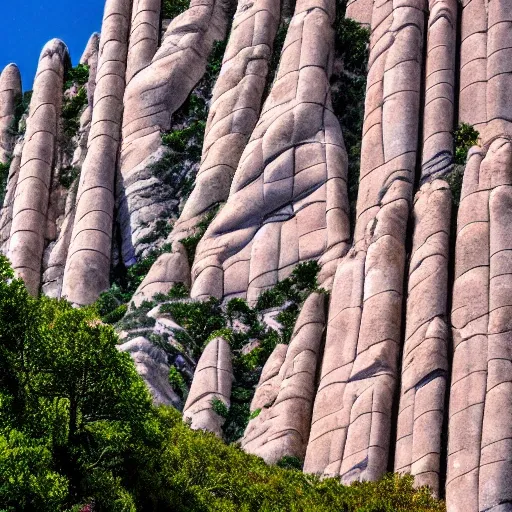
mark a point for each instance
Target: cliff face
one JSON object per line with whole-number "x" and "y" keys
{"x": 200, "y": 158}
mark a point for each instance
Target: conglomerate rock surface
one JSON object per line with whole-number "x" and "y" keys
{"x": 30, "y": 205}
{"x": 233, "y": 114}
{"x": 88, "y": 262}
{"x": 152, "y": 97}
{"x": 212, "y": 382}
{"x": 288, "y": 199}
{"x": 10, "y": 93}
{"x": 401, "y": 355}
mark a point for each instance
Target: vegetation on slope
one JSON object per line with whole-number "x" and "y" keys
{"x": 251, "y": 341}
{"x": 21, "y": 107}
{"x": 78, "y": 433}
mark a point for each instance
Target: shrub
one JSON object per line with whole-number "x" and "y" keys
{"x": 78, "y": 75}
{"x": 199, "y": 319}
{"x": 190, "y": 243}
{"x": 465, "y": 137}
{"x": 177, "y": 382}
{"x": 454, "y": 180}
{"x": 22, "y": 104}
{"x": 126, "y": 282}
{"x": 194, "y": 471}
{"x": 288, "y": 462}
{"x": 162, "y": 229}
{"x": 4, "y": 176}
{"x": 220, "y": 408}
{"x": 172, "y": 8}
{"x": 68, "y": 175}
{"x": 72, "y": 107}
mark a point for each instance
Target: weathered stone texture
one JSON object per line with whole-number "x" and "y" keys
{"x": 425, "y": 367}
{"x": 87, "y": 271}
{"x": 282, "y": 426}
{"x": 152, "y": 365}
{"x": 212, "y": 381}
{"x": 499, "y": 70}
{"x": 350, "y": 433}
{"x": 63, "y": 201}
{"x": 10, "y": 93}
{"x": 169, "y": 269}
{"x": 152, "y": 97}
{"x": 10, "y": 191}
{"x": 439, "y": 109}
{"x": 425, "y": 357}
{"x": 473, "y": 64}
{"x": 479, "y": 447}
{"x": 360, "y": 11}
{"x": 233, "y": 114}
{"x": 288, "y": 199}
{"x": 29, "y": 216}
{"x": 144, "y": 35}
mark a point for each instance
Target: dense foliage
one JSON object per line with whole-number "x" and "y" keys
{"x": 74, "y": 102}
{"x": 78, "y": 433}
{"x": 111, "y": 304}
{"x": 465, "y": 137}
{"x": 172, "y": 8}
{"x": 4, "y": 175}
{"x": 78, "y": 76}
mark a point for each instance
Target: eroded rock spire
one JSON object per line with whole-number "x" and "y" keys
{"x": 87, "y": 271}
{"x": 152, "y": 97}
{"x": 28, "y": 228}
{"x": 10, "y": 95}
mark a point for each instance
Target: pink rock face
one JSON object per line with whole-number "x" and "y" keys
{"x": 29, "y": 216}
{"x": 425, "y": 357}
{"x": 350, "y": 432}
{"x": 288, "y": 199}
{"x": 152, "y": 97}
{"x": 152, "y": 366}
{"x": 63, "y": 203}
{"x": 473, "y": 62}
{"x": 360, "y": 11}
{"x": 486, "y": 77}
{"x": 235, "y": 107}
{"x": 144, "y": 35}
{"x": 10, "y": 93}
{"x": 285, "y": 399}
{"x": 10, "y": 190}
{"x": 212, "y": 381}
{"x": 87, "y": 271}
{"x": 479, "y": 447}
{"x": 169, "y": 269}
{"x": 233, "y": 114}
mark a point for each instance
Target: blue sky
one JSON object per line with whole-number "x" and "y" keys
{"x": 28, "y": 24}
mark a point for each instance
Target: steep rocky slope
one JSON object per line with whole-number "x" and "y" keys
{"x": 296, "y": 216}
